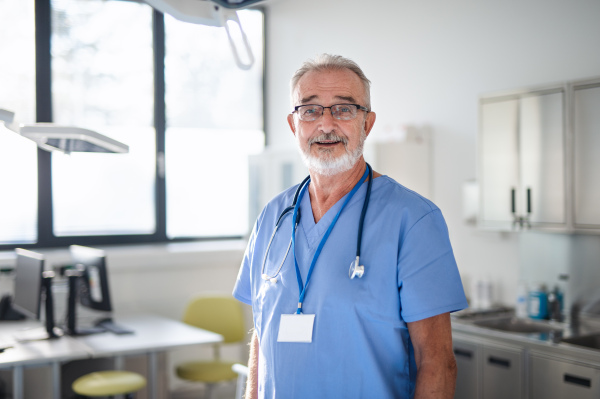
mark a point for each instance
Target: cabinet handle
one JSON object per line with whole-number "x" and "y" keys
{"x": 584, "y": 382}
{"x": 499, "y": 362}
{"x": 463, "y": 353}
{"x": 529, "y": 200}
{"x": 513, "y": 205}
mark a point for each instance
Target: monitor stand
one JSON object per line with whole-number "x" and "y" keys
{"x": 49, "y": 331}
{"x": 73, "y": 276}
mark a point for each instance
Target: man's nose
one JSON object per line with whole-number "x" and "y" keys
{"x": 327, "y": 119}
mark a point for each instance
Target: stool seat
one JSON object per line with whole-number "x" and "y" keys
{"x": 106, "y": 383}
{"x": 209, "y": 372}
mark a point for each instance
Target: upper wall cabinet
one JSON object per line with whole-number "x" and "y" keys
{"x": 522, "y": 157}
{"x": 539, "y": 158}
{"x": 586, "y": 159}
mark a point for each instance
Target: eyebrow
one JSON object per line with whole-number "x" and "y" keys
{"x": 342, "y": 98}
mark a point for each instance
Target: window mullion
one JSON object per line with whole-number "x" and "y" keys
{"x": 158, "y": 31}
{"x": 43, "y": 60}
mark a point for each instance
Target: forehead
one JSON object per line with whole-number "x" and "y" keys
{"x": 329, "y": 86}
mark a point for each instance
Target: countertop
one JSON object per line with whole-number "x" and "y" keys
{"x": 466, "y": 328}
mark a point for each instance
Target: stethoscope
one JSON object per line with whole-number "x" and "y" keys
{"x": 356, "y": 269}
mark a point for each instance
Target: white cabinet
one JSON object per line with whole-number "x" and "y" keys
{"x": 499, "y": 160}
{"x": 586, "y": 159}
{"x": 503, "y": 375}
{"x": 523, "y": 160}
{"x": 488, "y": 370}
{"x": 467, "y": 357}
{"x": 558, "y": 379}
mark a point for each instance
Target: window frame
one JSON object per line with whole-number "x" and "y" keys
{"x": 43, "y": 102}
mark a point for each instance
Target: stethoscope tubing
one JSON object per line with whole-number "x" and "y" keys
{"x": 290, "y": 208}
{"x": 277, "y": 224}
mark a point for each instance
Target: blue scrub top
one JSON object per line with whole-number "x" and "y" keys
{"x": 361, "y": 347}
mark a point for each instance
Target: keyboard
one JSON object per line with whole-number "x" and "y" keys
{"x": 109, "y": 325}
{"x": 6, "y": 342}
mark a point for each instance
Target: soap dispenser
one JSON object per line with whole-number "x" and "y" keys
{"x": 538, "y": 302}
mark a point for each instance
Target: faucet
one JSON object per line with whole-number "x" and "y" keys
{"x": 554, "y": 306}
{"x": 574, "y": 319}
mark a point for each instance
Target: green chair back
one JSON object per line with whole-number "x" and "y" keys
{"x": 220, "y": 314}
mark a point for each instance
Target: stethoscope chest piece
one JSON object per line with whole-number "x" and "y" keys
{"x": 356, "y": 270}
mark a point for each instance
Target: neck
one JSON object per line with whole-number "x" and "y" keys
{"x": 325, "y": 191}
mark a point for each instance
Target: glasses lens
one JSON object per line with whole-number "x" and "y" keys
{"x": 344, "y": 111}
{"x": 310, "y": 112}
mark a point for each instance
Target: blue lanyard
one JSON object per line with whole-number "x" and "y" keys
{"x": 302, "y": 288}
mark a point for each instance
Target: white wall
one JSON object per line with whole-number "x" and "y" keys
{"x": 428, "y": 62}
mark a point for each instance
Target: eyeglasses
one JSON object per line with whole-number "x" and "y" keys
{"x": 312, "y": 112}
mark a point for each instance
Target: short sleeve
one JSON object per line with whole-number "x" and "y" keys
{"x": 428, "y": 278}
{"x": 242, "y": 290}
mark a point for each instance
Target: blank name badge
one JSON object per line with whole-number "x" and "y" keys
{"x": 296, "y": 328}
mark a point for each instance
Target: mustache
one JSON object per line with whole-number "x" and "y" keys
{"x": 331, "y": 136}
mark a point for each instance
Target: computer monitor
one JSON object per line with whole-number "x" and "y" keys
{"x": 88, "y": 285}
{"x": 93, "y": 285}
{"x": 28, "y": 283}
{"x": 32, "y": 284}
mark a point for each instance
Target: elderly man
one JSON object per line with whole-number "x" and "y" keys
{"x": 350, "y": 275}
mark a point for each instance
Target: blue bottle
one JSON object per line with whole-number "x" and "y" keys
{"x": 538, "y": 302}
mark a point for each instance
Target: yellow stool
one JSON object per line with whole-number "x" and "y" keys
{"x": 109, "y": 383}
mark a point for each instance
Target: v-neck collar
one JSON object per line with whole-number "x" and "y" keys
{"x": 313, "y": 232}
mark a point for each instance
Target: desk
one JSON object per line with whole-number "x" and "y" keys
{"x": 37, "y": 353}
{"x": 153, "y": 334}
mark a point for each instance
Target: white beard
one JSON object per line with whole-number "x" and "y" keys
{"x": 326, "y": 164}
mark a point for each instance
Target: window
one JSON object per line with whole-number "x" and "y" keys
{"x": 169, "y": 90}
{"x": 214, "y": 121}
{"x": 102, "y": 79}
{"x": 18, "y": 156}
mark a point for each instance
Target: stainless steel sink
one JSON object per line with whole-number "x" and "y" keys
{"x": 589, "y": 341}
{"x": 517, "y": 325}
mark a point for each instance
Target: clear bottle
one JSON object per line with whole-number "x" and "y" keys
{"x": 521, "y": 310}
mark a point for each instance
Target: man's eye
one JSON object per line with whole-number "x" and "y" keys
{"x": 310, "y": 110}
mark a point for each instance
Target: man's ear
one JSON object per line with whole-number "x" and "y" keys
{"x": 369, "y": 122}
{"x": 290, "y": 119}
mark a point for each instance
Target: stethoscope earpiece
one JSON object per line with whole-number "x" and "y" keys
{"x": 269, "y": 278}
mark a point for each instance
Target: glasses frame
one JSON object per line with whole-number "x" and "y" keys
{"x": 359, "y": 108}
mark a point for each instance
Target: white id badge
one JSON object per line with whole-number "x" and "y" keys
{"x": 296, "y": 328}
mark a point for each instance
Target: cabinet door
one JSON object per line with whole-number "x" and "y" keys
{"x": 499, "y": 160}
{"x": 502, "y": 373}
{"x": 542, "y": 193}
{"x": 558, "y": 379}
{"x": 586, "y": 128}
{"x": 467, "y": 357}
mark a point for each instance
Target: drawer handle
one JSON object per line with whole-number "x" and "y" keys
{"x": 584, "y": 382}
{"x": 463, "y": 353}
{"x": 499, "y": 362}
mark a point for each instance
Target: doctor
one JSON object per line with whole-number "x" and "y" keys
{"x": 329, "y": 324}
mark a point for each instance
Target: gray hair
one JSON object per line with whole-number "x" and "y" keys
{"x": 328, "y": 62}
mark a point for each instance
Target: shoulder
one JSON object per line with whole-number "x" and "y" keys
{"x": 275, "y": 207}
{"x": 402, "y": 206}
{"x": 393, "y": 194}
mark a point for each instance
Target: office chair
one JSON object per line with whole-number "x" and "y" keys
{"x": 242, "y": 373}
{"x": 222, "y": 315}
{"x": 109, "y": 383}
